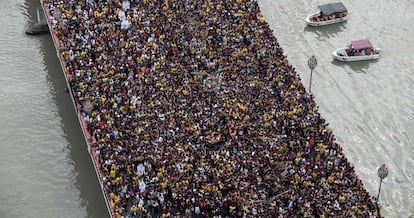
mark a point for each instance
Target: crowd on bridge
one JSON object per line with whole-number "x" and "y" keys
{"x": 195, "y": 111}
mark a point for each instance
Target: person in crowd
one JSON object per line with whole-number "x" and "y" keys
{"x": 194, "y": 110}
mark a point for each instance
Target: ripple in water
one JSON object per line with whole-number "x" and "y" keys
{"x": 368, "y": 104}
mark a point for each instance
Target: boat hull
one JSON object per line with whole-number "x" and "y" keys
{"x": 37, "y": 29}
{"x": 344, "y": 57}
{"x": 309, "y": 21}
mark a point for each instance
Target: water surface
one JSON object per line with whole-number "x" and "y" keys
{"x": 44, "y": 165}
{"x": 369, "y": 105}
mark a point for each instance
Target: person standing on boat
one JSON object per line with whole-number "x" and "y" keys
{"x": 349, "y": 50}
{"x": 349, "y": 47}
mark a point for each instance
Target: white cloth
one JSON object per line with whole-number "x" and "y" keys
{"x": 142, "y": 186}
{"x": 126, "y": 5}
{"x": 197, "y": 210}
{"x": 121, "y": 15}
{"x": 140, "y": 169}
{"x": 125, "y": 24}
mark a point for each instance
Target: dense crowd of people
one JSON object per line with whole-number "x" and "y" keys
{"x": 196, "y": 111}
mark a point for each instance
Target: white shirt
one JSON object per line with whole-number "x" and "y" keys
{"x": 121, "y": 15}
{"x": 140, "y": 169}
{"x": 125, "y": 24}
{"x": 126, "y": 5}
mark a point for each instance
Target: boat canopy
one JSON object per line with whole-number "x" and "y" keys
{"x": 332, "y": 8}
{"x": 361, "y": 44}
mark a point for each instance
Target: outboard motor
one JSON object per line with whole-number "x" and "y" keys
{"x": 377, "y": 50}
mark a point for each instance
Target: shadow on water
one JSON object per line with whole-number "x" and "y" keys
{"x": 85, "y": 179}
{"x": 357, "y": 66}
{"x": 26, "y": 9}
{"x": 326, "y": 32}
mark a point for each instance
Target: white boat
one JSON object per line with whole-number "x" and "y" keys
{"x": 328, "y": 14}
{"x": 358, "y": 50}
